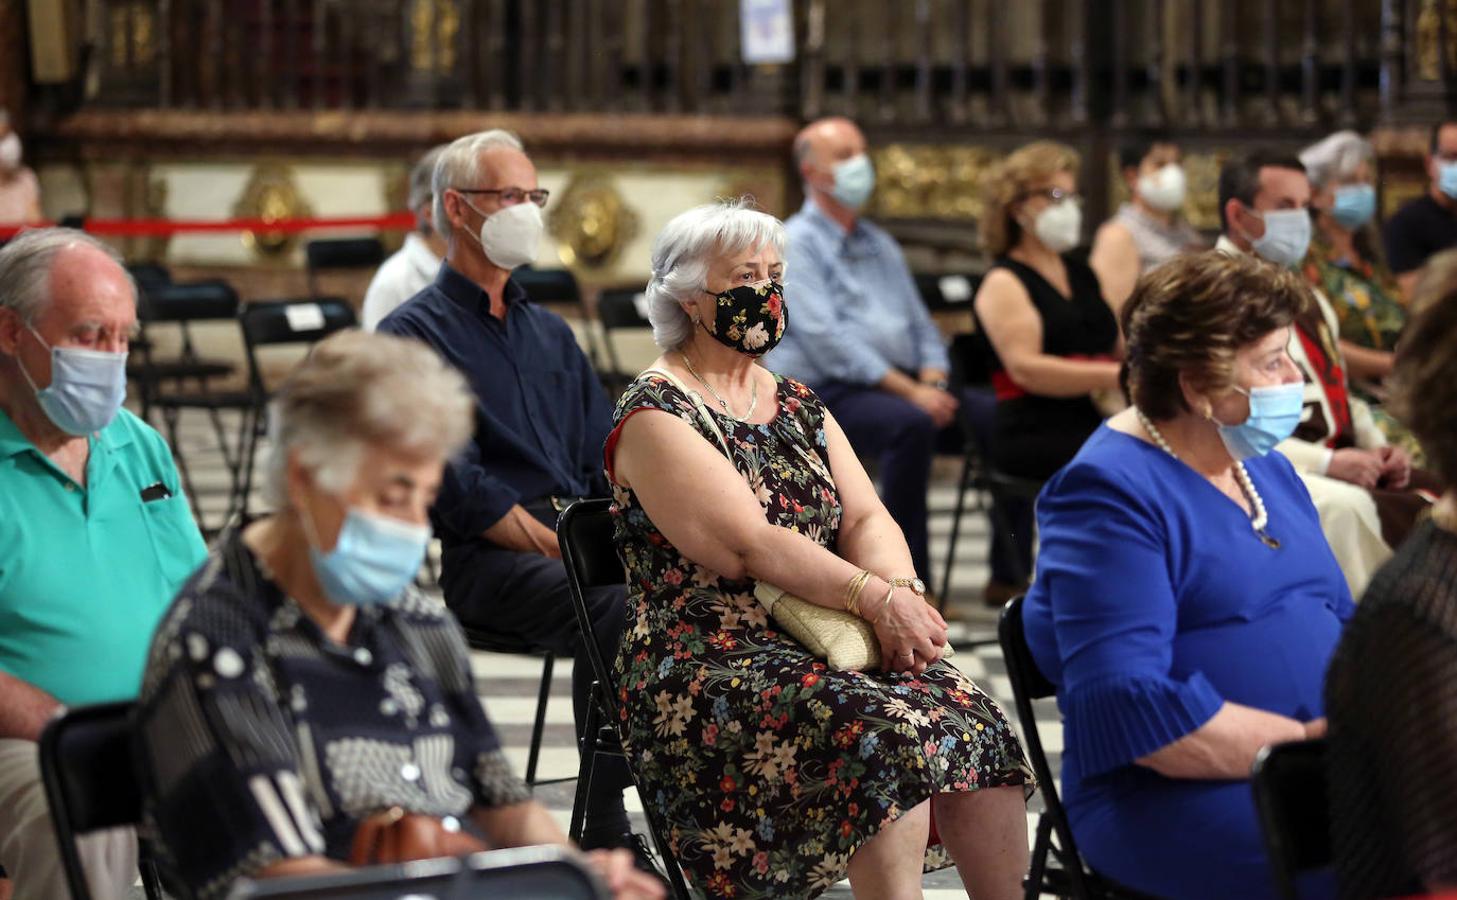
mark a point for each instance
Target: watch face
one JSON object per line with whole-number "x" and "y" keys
{"x": 918, "y": 585}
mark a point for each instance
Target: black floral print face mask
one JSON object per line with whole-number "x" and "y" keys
{"x": 750, "y": 318}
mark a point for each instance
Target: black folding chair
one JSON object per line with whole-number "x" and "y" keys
{"x": 86, "y": 768}
{"x": 490, "y": 642}
{"x": 341, "y": 255}
{"x": 1290, "y": 788}
{"x": 585, "y": 534}
{"x": 279, "y": 323}
{"x": 558, "y": 287}
{"x": 1054, "y": 841}
{"x": 620, "y": 310}
{"x": 521, "y": 873}
{"x": 184, "y": 381}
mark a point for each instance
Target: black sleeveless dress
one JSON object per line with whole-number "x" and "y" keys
{"x": 1034, "y": 436}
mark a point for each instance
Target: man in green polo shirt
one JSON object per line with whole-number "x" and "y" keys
{"x": 95, "y": 535}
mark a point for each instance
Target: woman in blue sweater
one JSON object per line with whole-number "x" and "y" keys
{"x": 1186, "y": 603}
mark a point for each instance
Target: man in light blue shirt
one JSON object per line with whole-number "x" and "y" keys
{"x": 858, "y": 332}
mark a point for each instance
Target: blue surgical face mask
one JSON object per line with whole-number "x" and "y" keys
{"x": 854, "y": 180}
{"x": 1354, "y": 205}
{"x": 373, "y": 560}
{"x": 1447, "y": 179}
{"x": 86, "y": 390}
{"x": 1286, "y": 237}
{"x": 1274, "y": 414}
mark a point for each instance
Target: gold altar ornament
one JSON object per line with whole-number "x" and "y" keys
{"x": 591, "y": 222}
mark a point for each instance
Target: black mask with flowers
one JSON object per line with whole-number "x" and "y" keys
{"x": 750, "y": 318}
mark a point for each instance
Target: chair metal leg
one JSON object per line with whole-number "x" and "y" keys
{"x": 184, "y": 472}
{"x": 1038, "y": 869}
{"x": 151, "y": 883}
{"x": 588, "y": 747}
{"x": 961, "y": 489}
{"x": 542, "y": 696}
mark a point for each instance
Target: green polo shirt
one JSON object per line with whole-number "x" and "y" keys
{"x": 86, "y": 572}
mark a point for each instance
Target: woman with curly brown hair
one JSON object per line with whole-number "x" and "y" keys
{"x": 1051, "y": 334}
{"x": 1186, "y": 602}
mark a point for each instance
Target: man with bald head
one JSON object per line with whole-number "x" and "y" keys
{"x": 95, "y": 535}
{"x": 859, "y": 334}
{"x": 541, "y": 420}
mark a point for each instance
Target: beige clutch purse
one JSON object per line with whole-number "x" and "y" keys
{"x": 843, "y": 640}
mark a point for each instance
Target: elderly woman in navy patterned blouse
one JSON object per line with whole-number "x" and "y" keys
{"x": 300, "y": 684}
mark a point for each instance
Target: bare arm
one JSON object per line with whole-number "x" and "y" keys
{"x": 24, "y": 708}
{"x": 1115, "y": 261}
{"x": 301, "y": 866}
{"x": 519, "y": 530}
{"x": 703, "y": 506}
{"x": 1015, "y": 330}
{"x": 1366, "y": 364}
{"x": 518, "y": 825}
{"x": 1225, "y": 746}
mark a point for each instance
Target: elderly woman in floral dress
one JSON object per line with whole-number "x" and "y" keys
{"x": 778, "y": 776}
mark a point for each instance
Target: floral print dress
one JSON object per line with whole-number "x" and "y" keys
{"x": 767, "y": 768}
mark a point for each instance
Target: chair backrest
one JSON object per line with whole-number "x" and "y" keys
{"x": 623, "y": 308}
{"x": 149, "y": 275}
{"x": 273, "y": 323}
{"x": 86, "y": 769}
{"x": 584, "y": 532}
{"x": 1289, "y": 781}
{"x": 518, "y": 872}
{"x": 344, "y": 253}
{"x": 1028, "y": 684}
{"x": 195, "y": 301}
{"x": 947, "y": 292}
{"x": 548, "y": 286}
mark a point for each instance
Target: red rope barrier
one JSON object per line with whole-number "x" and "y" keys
{"x": 398, "y": 221}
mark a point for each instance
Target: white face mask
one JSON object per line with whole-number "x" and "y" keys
{"x": 1059, "y": 226}
{"x": 10, "y": 151}
{"x": 1164, "y": 190}
{"x": 511, "y": 235}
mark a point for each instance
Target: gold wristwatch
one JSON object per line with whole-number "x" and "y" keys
{"x": 917, "y": 586}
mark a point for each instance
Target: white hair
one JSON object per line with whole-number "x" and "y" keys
{"x": 686, "y": 247}
{"x": 459, "y": 166}
{"x": 1337, "y": 156}
{"x": 359, "y": 389}
{"x": 421, "y": 193}
{"x": 26, "y": 262}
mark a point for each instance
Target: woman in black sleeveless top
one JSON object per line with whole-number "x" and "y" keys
{"x": 1051, "y": 336}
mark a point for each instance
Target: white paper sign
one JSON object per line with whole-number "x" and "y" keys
{"x": 766, "y": 31}
{"x": 640, "y": 303}
{"x": 304, "y": 316}
{"x": 955, "y": 288}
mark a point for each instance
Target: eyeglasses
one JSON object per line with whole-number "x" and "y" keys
{"x": 1056, "y": 195}
{"x": 510, "y": 196}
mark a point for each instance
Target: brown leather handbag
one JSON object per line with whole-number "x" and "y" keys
{"x": 395, "y": 836}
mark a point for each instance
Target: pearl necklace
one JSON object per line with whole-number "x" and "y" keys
{"x": 1260, "y": 519}
{"x": 753, "y": 397}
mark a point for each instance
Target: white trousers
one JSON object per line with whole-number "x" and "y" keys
{"x": 1353, "y": 529}
{"x": 28, "y": 839}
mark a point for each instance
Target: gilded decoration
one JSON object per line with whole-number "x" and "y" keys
{"x": 133, "y": 41}
{"x": 930, "y": 181}
{"x": 1429, "y": 38}
{"x": 434, "y": 25}
{"x": 271, "y": 195}
{"x": 591, "y": 222}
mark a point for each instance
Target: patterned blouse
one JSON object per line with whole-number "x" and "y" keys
{"x": 1365, "y": 296}
{"x": 259, "y": 738}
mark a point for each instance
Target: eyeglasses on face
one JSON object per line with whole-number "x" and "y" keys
{"x": 1056, "y": 195}
{"x": 510, "y": 196}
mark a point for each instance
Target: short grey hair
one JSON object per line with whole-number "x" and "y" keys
{"x": 1337, "y": 156}
{"x": 686, "y": 247}
{"x": 26, "y": 262}
{"x": 459, "y": 165}
{"x": 421, "y": 193}
{"x": 359, "y": 389}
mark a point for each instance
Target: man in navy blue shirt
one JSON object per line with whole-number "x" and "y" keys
{"x": 541, "y": 420}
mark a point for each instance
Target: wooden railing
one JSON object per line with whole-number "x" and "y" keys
{"x": 960, "y": 63}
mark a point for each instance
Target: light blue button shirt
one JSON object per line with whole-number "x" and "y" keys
{"x": 854, "y": 311}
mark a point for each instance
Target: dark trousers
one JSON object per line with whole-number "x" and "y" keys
{"x": 525, "y": 595}
{"x": 901, "y": 438}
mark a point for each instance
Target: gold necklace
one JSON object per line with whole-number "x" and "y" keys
{"x": 753, "y": 395}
